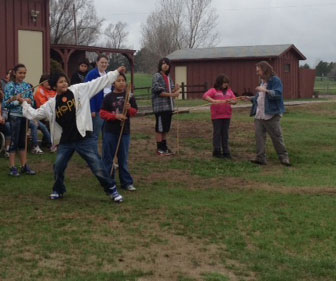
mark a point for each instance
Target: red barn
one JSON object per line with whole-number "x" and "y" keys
{"x": 24, "y": 33}
{"x": 201, "y": 66}
{"x": 25, "y": 38}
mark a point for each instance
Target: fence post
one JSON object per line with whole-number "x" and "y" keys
{"x": 328, "y": 87}
{"x": 183, "y": 92}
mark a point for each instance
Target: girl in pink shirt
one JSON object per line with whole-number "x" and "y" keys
{"x": 221, "y": 97}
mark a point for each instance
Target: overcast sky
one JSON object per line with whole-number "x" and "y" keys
{"x": 309, "y": 24}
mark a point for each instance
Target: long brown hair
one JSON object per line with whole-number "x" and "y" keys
{"x": 267, "y": 70}
{"x": 221, "y": 78}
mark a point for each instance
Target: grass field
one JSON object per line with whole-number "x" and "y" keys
{"x": 325, "y": 85}
{"x": 192, "y": 218}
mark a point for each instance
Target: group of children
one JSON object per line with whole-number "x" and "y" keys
{"x": 72, "y": 111}
{"x": 267, "y": 107}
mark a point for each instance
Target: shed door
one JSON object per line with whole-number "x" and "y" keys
{"x": 31, "y": 54}
{"x": 181, "y": 77}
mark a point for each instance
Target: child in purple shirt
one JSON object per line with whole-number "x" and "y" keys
{"x": 221, "y": 97}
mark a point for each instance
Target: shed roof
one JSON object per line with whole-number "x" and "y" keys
{"x": 260, "y": 51}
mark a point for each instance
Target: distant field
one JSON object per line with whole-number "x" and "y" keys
{"x": 142, "y": 80}
{"x": 325, "y": 85}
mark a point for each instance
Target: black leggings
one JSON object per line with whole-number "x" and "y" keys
{"x": 221, "y": 135}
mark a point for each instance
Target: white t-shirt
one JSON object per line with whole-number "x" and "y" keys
{"x": 106, "y": 90}
{"x": 260, "y": 114}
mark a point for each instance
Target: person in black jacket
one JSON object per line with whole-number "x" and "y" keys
{"x": 79, "y": 76}
{"x": 112, "y": 113}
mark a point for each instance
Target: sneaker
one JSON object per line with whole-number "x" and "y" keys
{"x": 14, "y": 172}
{"x": 55, "y": 195}
{"x": 37, "y": 150}
{"x": 114, "y": 195}
{"x": 130, "y": 187}
{"x": 166, "y": 152}
{"x": 258, "y": 162}
{"x": 286, "y": 162}
{"x": 26, "y": 170}
{"x": 217, "y": 154}
{"x": 160, "y": 152}
{"x": 227, "y": 156}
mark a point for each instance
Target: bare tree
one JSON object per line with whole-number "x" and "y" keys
{"x": 62, "y": 22}
{"x": 116, "y": 35}
{"x": 179, "y": 24}
{"x": 201, "y": 23}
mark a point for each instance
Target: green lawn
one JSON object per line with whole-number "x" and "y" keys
{"x": 192, "y": 218}
{"x": 142, "y": 80}
{"x": 325, "y": 85}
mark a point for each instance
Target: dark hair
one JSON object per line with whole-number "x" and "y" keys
{"x": 161, "y": 62}
{"x": 267, "y": 70}
{"x": 221, "y": 78}
{"x": 16, "y": 68}
{"x": 44, "y": 77}
{"x": 55, "y": 77}
{"x": 100, "y": 56}
{"x": 123, "y": 75}
{"x": 9, "y": 71}
{"x": 84, "y": 61}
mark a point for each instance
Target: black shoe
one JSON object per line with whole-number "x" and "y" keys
{"x": 258, "y": 162}
{"x": 227, "y": 156}
{"x": 217, "y": 154}
{"x": 26, "y": 170}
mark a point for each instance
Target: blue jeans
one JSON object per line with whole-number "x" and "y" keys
{"x": 87, "y": 149}
{"x": 33, "y": 128}
{"x": 97, "y": 123}
{"x": 109, "y": 146}
{"x": 18, "y": 133}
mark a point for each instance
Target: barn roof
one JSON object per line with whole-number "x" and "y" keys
{"x": 260, "y": 51}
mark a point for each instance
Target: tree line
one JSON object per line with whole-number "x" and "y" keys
{"x": 173, "y": 25}
{"x": 326, "y": 69}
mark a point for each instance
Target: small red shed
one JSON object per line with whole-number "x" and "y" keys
{"x": 24, "y": 33}
{"x": 201, "y": 66}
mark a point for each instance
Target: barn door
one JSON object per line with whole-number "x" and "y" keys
{"x": 31, "y": 54}
{"x": 181, "y": 77}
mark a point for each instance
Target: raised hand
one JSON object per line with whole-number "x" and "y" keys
{"x": 121, "y": 69}
{"x": 261, "y": 89}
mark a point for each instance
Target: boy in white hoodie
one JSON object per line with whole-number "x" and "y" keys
{"x": 70, "y": 122}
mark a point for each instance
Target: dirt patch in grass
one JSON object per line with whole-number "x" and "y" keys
{"x": 173, "y": 256}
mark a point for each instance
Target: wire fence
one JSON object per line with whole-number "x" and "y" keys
{"x": 325, "y": 85}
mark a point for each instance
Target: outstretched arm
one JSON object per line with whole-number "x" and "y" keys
{"x": 95, "y": 86}
{"x": 31, "y": 113}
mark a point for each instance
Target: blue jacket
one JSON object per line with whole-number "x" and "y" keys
{"x": 274, "y": 103}
{"x": 97, "y": 101}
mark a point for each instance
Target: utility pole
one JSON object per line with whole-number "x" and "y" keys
{"x": 75, "y": 24}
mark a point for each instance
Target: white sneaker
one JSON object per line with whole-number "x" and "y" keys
{"x": 114, "y": 195}
{"x": 37, "y": 150}
{"x": 130, "y": 187}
